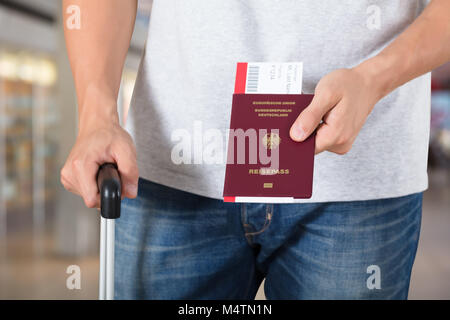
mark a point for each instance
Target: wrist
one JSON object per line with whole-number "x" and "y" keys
{"x": 381, "y": 74}
{"x": 97, "y": 115}
{"x": 372, "y": 73}
{"x": 97, "y": 103}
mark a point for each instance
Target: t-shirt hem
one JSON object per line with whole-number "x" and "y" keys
{"x": 168, "y": 179}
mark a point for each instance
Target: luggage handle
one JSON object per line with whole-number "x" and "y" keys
{"x": 109, "y": 186}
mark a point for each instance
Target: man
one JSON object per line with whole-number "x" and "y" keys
{"x": 368, "y": 64}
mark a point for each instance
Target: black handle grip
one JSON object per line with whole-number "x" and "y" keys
{"x": 108, "y": 182}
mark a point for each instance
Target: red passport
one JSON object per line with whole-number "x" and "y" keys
{"x": 264, "y": 164}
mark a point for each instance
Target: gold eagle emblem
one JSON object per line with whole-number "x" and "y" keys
{"x": 271, "y": 140}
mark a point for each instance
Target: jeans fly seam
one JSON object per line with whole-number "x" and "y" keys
{"x": 246, "y": 225}
{"x": 267, "y": 221}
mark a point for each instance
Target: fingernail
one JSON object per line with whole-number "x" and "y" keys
{"x": 297, "y": 132}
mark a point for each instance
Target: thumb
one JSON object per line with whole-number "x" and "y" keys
{"x": 127, "y": 165}
{"x": 310, "y": 117}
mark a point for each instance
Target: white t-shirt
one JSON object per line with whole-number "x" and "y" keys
{"x": 186, "y": 80}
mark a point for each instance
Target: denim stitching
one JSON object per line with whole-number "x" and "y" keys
{"x": 246, "y": 225}
{"x": 267, "y": 221}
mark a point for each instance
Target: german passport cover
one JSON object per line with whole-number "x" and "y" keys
{"x": 263, "y": 163}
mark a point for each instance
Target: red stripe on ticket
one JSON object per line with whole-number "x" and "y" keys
{"x": 229, "y": 199}
{"x": 241, "y": 77}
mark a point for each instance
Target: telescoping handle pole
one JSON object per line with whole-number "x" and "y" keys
{"x": 108, "y": 181}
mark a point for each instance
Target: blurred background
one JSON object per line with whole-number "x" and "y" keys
{"x": 44, "y": 229}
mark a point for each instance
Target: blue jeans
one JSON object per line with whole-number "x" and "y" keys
{"x": 172, "y": 244}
